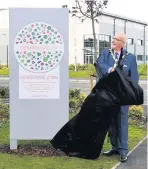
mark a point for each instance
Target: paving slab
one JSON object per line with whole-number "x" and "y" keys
{"x": 137, "y": 159}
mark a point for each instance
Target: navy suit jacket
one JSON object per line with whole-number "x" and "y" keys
{"x": 105, "y": 61}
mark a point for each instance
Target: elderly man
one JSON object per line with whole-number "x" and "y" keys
{"x": 107, "y": 63}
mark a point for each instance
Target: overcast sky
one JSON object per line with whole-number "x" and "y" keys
{"x": 129, "y": 8}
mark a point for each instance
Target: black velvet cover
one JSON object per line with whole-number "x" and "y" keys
{"x": 83, "y": 136}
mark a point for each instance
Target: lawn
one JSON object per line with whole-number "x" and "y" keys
{"x": 143, "y": 77}
{"x": 85, "y": 74}
{"x": 4, "y": 71}
{"x": 9, "y": 161}
{"x": 79, "y": 74}
{"x": 72, "y": 74}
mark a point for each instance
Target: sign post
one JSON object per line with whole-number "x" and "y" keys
{"x": 39, "y": 92}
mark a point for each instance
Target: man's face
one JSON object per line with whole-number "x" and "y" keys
{"x": 117, "y": 43}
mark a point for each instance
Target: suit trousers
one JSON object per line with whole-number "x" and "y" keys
{"x": 119, "y": 131}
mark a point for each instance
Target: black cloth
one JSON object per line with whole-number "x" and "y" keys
{"x": 85, "y": 133}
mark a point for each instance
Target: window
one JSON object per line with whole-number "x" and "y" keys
{"x": 88, "y": 49}
{"x": 139, "y": 57}
{"x": 88, "y": 42}
{"x": 89, "y": 56}
{"x": 130, "y": 41}
{"x": 147, "y": 43}
{"x": 104, "y": 42}
{"x": 140, "y": 42}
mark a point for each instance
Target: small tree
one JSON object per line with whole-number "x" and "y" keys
{"x": 90, "y": 9}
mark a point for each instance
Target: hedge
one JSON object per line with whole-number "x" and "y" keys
{"x": 142, "y": 69}
{"x": 87, "y": 68}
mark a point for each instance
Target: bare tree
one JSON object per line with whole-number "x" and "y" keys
{"x": 89, "y": 9}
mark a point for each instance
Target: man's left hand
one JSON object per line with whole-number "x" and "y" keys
{"x": 113, "y": 69}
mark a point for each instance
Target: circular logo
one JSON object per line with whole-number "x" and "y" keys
{"x": 39, "y": 47}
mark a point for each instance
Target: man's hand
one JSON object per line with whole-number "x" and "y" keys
{"x": 113, "y": 69}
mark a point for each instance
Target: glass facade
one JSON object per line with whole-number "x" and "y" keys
{"x": 88, "y": 49}
{"x": 139, "y": 57}
{"x": 103, "y": 41}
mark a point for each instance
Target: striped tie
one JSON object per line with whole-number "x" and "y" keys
{"x": 116, "y": 58}
{"x": 116, "y": 55}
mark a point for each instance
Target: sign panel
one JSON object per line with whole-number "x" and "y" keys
{"x": 39, "y": 86}
{"x": 38, "y": 48}
{"x": 39, "y": 92}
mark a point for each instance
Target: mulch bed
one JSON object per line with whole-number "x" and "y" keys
{"x": 32, "y": 150}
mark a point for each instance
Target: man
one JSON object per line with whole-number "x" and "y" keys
{"x": 107, "y": 63}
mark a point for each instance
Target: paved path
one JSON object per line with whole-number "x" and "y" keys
{"x": 137, "y": 159}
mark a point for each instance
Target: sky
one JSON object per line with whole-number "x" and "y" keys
{"x": 128, "y": 8}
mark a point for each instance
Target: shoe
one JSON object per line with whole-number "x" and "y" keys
{"x": 123, "y": 158}
{"x": 111, "y": 152}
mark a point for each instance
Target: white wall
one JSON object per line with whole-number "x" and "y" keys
{"x": 4, "y": 19}
{"x": 4, "y": 36}
{"x": 77, "y": 32}
{"x": 3, "y": 45}
{"x": 105, "y": 26}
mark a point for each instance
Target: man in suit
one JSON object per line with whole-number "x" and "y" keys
{"x": 107, "y": 63}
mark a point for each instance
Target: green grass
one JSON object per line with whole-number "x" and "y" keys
{"x": 78, "y": 74}
{"x": 8, "y": 161}
{"x": 72, "y": 74}
{"x": 85, "y": 74}
{"x": 142, "y": 77}
{"x": 4, "y": 71}
{"x": 15, "y": 162}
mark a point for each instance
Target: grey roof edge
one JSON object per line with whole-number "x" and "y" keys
{"x": 124, "y": 18}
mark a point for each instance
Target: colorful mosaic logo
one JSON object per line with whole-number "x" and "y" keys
{"x": 39, "y": 47}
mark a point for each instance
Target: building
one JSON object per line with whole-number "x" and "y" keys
{"x": 81, "y": 40}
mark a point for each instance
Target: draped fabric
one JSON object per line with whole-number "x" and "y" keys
{"x": 83, "y": 136}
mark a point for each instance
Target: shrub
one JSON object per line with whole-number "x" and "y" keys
{"x": 82, "y": 67}
{"x": 91, "y": 69}
{"x": 4, "y": 112}
{"x": 85, "y": 67}
{"x": 4, "y": 92}
{"x": 76, "y": 99}
{"x": 142, "y": 69}
{"x": 136, "y": 112}
{"x": 72, "y": 67}
{"x": 3, "y": 66}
